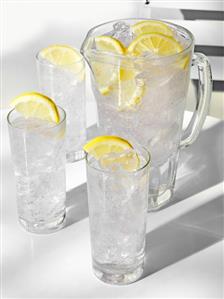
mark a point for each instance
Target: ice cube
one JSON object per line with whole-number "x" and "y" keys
{"x": 127, "y": 160}
{"x": 123, "y": 33}
{"x": 110, "y": 162}
{"x": 120, "y": 26}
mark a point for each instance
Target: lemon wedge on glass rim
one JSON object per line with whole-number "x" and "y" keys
{"x": 102, "y": 146}
{"x": 34, "y": 104}
{"x": 65, "y": 56}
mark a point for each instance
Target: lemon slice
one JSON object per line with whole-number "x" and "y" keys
{"x": 105, "y": 76}
{"x": 105, "y": 70}
{"x": 33, "y": 104}
{"x": 109, "y": 44}
{"x": 100, "y": 146}
{"x": 128, "y": 161}
{"x": 66, "y": 57}
{"x": 130, "y": 89}
{"x": 155, "y": 42}
{"x": 151, "y": 26}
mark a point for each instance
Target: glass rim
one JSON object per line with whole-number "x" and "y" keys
{"x": 52, "y": 127}
{"x": 140, "y": 147}
{"x": 45, "y": 62}
{"x": 185, "y": 50}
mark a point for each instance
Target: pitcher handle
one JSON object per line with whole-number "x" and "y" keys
{"x": 191, "y": 133}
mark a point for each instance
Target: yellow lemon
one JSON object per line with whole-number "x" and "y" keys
{"x": 34, "y": 104}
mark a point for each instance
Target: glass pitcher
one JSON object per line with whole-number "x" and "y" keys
{"x": 142, "y": 98}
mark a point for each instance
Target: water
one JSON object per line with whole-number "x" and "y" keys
{"x": 39, "y": 159}
{"x": 156, "y": 121}
{"x": 67, "y": 89}
{"x": 117, "y": 211}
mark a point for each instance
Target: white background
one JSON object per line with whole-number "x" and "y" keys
{"x": 29, "y": 26}
{"x": 184, "y": 239}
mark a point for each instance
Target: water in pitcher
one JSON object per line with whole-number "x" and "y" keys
{"x": 144, "y": 103}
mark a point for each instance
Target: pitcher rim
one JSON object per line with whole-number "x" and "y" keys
{"x": 191, "y": 44}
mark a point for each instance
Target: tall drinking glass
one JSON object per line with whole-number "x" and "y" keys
{"x": 38, "y": 154}
{"x": 118, "y": 202}
{"x": 145, "y": 98}
{"x": 65, "y": 84}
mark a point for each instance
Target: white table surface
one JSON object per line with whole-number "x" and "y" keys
{"x": 184, "y": 244}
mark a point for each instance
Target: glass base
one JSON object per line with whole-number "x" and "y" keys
{"x": 111, "y": 275}
{"x": 72, "y": 157}
{"x": 157, "y": 201}
{"x": 45, "y": 227}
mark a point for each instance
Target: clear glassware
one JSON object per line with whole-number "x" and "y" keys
{"x": 156, "y": 120}
{"x": 67, "y": 89}
{"x": 38, "y": 154}
{"x": 118, "y": 202}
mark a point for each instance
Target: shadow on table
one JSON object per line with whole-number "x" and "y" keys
{"x": 93, "y": 131}
{"x": 76, "y": 199}
{"x": 201, "y": 165}
{"x": 76, "y": 204}
{"x": 184, "y": 236}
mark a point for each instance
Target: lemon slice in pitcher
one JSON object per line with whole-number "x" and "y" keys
{"x": 156, "y": 43}
{"x": 151, "y": 26}
{"x": 34, "y": 104}
{"x": 104, "y": 68}
{"x": 130, "y": 89}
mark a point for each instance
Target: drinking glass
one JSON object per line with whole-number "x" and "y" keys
{"x": 38, "y": 155}
{"x": 154, "y": 116}
{"x": 67, "y": 88}
{"x": 118, "y": 202}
